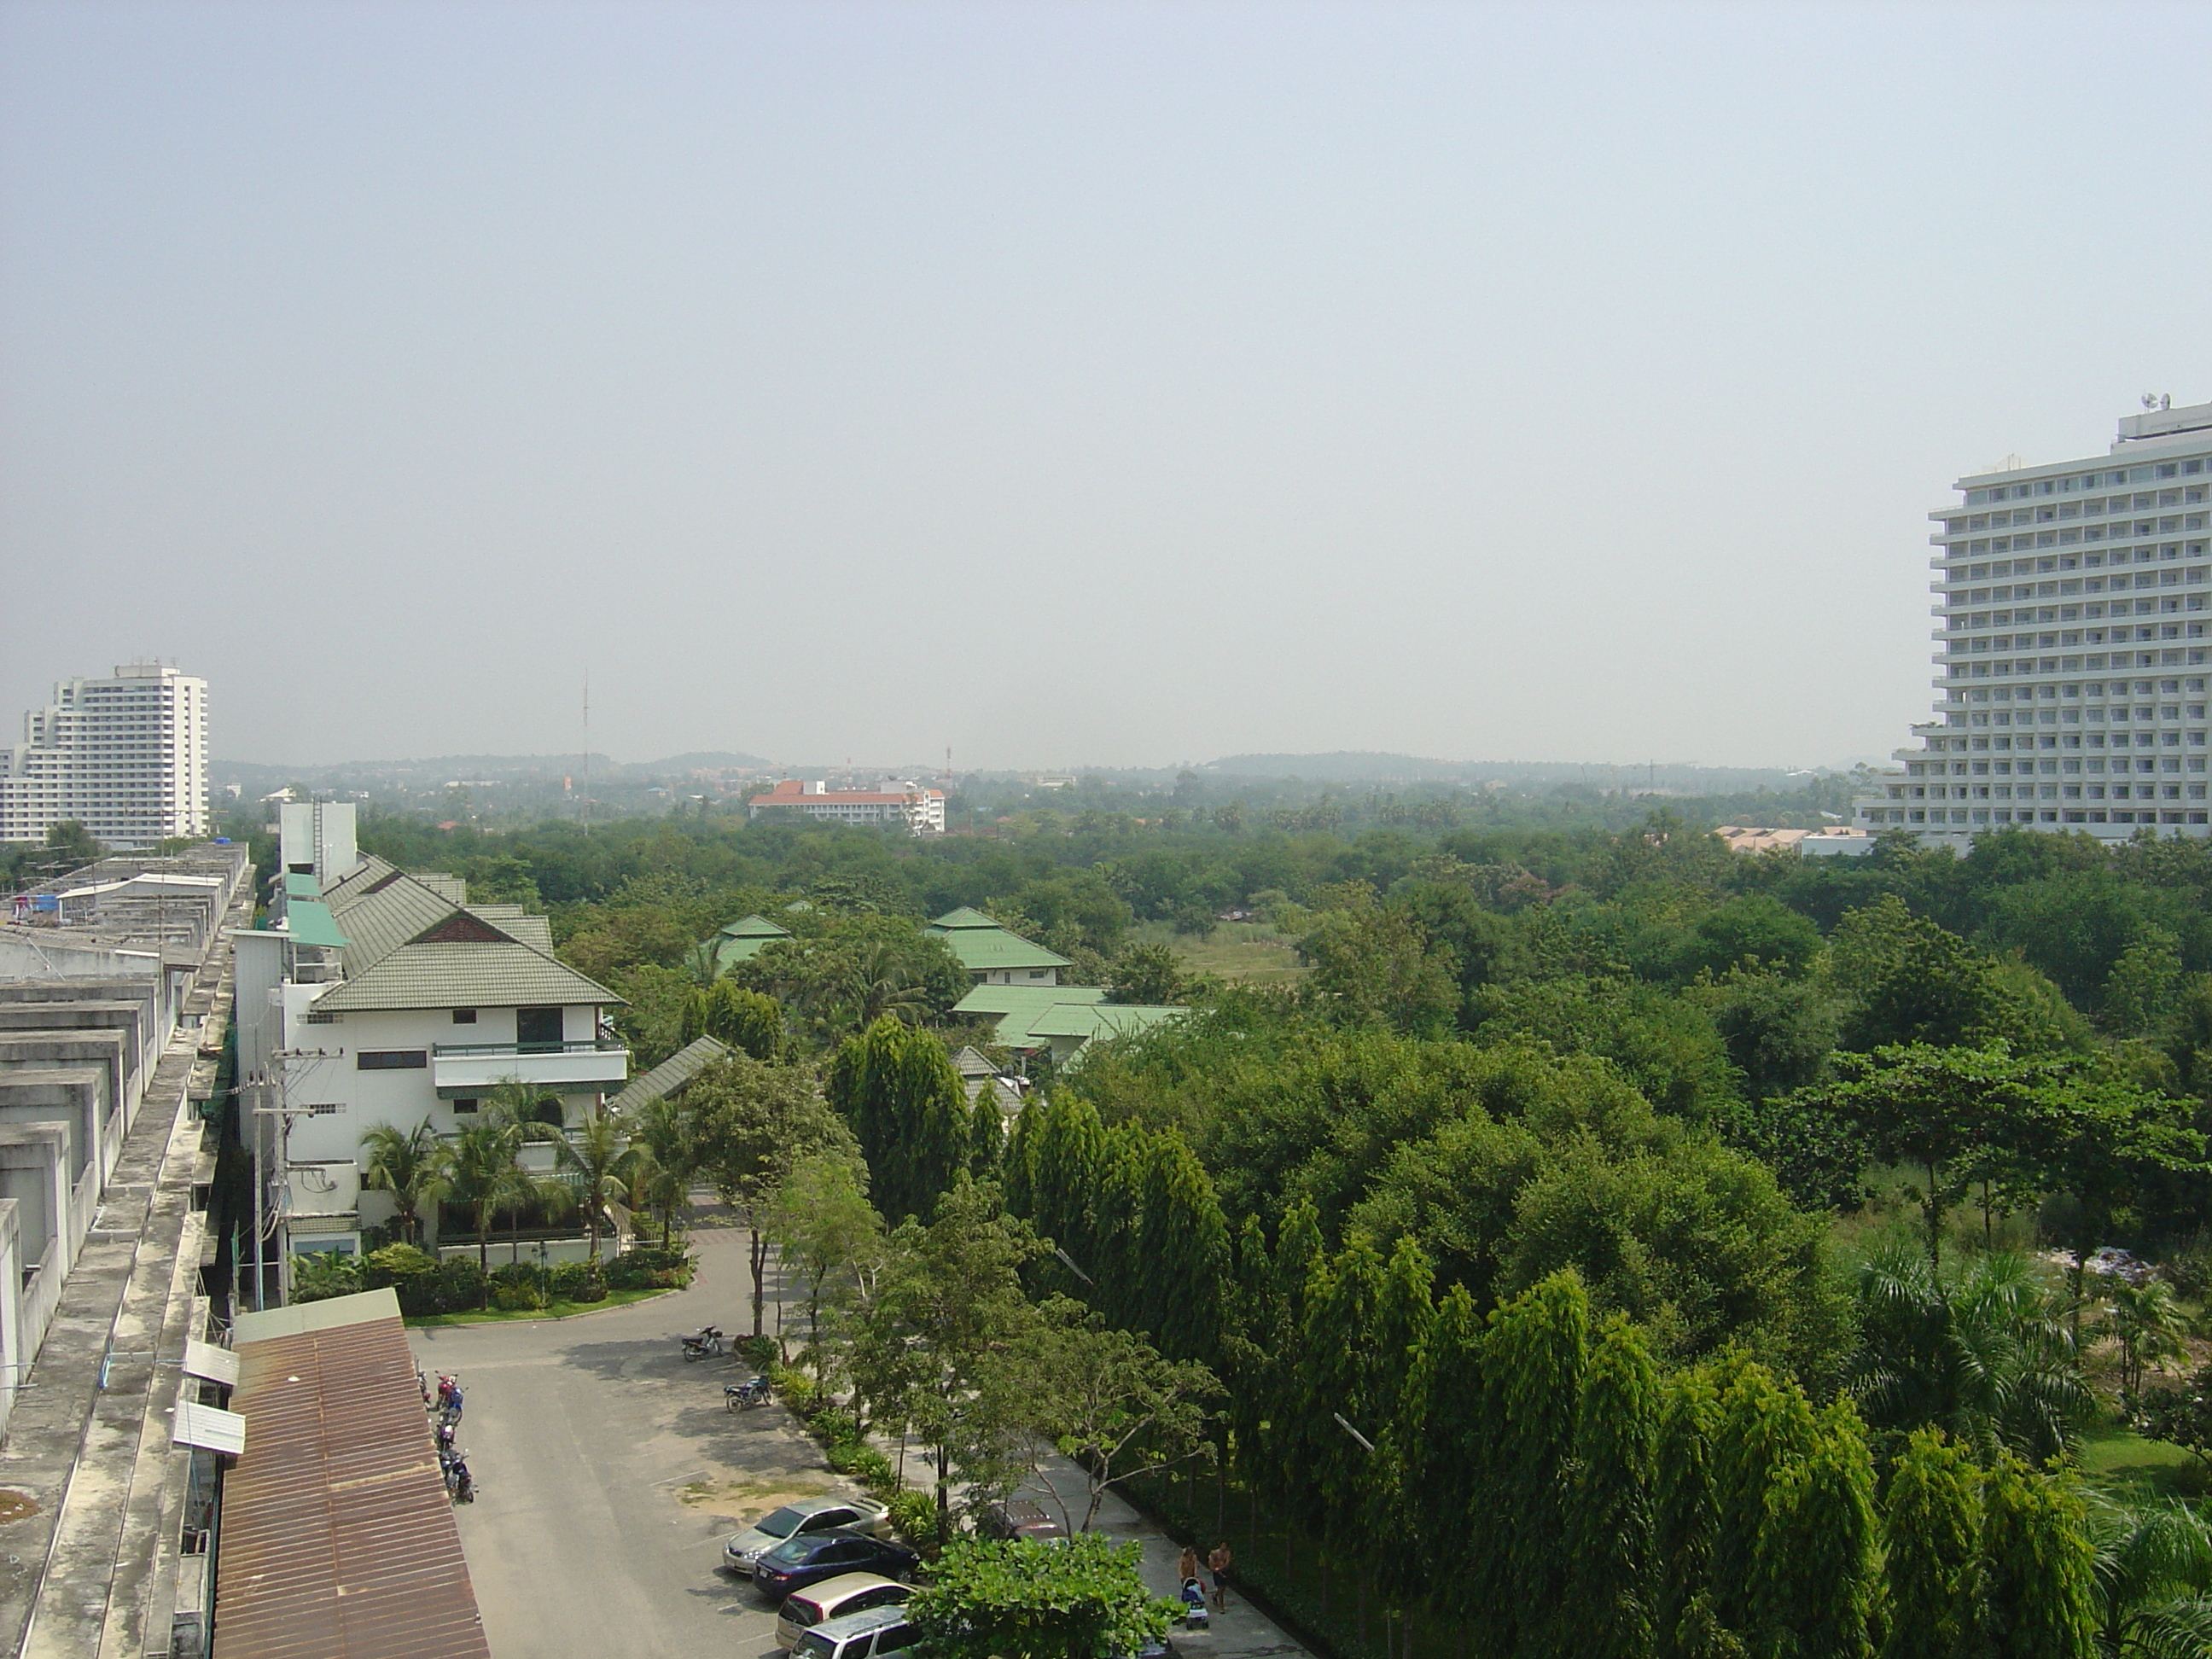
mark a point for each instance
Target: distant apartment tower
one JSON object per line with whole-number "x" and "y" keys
{"x": 919, "y": 810}
{"x": 2072, "y": 602}
{"x": 126, "y": 757}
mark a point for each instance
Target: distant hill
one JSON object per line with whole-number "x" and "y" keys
{"x": 1340, "y": 766}
{"x": 705, "y": 761}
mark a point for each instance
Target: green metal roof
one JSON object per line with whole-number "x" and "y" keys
{"x": 299, "y": 886}
{"x": 963, "y": 917}
{"x": 1024, "y": 998}
{"x": 741, "y": 941}
{"x": 471, "y": 974}
{"x": 671, "y": 1074}
{"x": 1017, "y": 1007}
{"x": 754, "y": 928}
{"x": 987, "y": 951}
{"x": 309, "y": 922}
{"x": 1101, "y": 1019}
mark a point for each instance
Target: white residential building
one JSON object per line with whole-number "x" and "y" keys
{"x": 2072, "y": 602}
{"x": 382, "y": 998}
{"x": 918, "y": 810}
{"x": 126, "y": 757}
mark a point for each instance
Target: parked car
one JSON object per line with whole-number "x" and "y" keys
{"x": 806, "y": 1558}
{"x": 1018, "y": 1518}
{"x": 833, "y": 1598}
{"x": 878, "y": 1633}
{"x": 812, "y": 1515}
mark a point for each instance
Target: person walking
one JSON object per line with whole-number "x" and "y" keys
{"x": 1219, "y": 1562}
{"x": 1186, "y": 1566}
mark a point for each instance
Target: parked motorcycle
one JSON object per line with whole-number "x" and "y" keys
{"x": 742, "y": 1396}
{"x": 708, "y": 1342}
{"x": 458, "y": 1483}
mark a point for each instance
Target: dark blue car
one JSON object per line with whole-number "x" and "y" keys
{"x": 808, "y": 1558}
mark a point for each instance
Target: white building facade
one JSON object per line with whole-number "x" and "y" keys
{"x": 2072, "y": 602}
{"x": 903, "y": 803}
{"x": 126, "y": 757}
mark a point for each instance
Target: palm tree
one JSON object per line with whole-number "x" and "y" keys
{"x": 1982, "y": 1352}
{"x": 668, "y": 1161}
{"x": 488, "y": 1176}
{"x": 2153, "y": 1579}
{"x": 603, "y": 1167}
{"x": 411, "y": 1165}
{"x": 2148, "y": 1324}
{"x": 876, "y": 982}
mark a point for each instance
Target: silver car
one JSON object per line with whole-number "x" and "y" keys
{"x": 878, "y": 1633}
{"x": 809, "y": 1515}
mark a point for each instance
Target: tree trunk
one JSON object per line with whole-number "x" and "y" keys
{"x": 757, "y": 1248}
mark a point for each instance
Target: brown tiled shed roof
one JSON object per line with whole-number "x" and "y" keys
{"x": 338, "y": 1540}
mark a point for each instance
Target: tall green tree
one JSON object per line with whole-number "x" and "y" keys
{"x": 1533, "y": 1366}
{"x": 2037, "y": 1596}
{"x": 896, "y": 1087}
{"x": 830, "y": 1238}
{"x": 1183, "y": 1249}
{"x": 1932, "y": 1534}
{"x": 1685, "y": 1504}
{"x": 748, "y": 1021}
{"x": 1108, "y": 1399}
{"x": 948, "y": 1310}
{"x": 750, "y": 1123}
{"x": 1611, "y": 1585}
{"x": 1814, "y": 1590}
{"x": 1763, "y": 1428}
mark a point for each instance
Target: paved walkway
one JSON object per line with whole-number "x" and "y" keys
{"x": 609, "y": 1473}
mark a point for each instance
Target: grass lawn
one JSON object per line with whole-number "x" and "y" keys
{"x": 1241, "y": 952}
{"x": 559, "y": 1309}
{"x": 2117, "y": 1458}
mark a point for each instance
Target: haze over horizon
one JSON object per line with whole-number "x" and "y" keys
{"x": 1084, "y": 384}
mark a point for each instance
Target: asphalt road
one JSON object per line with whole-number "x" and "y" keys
{"x": 608, "y": 1474}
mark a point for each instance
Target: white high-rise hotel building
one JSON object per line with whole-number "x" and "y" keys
{"x": 125, "y": 757}
{"x": 2073, "y": 602}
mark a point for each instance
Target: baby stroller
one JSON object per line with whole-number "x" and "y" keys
{"x": 1195, "y": 1615}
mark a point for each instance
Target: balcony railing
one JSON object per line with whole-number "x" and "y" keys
{"x": 462, "y": 1069}
{"x": 481, "y": 1050}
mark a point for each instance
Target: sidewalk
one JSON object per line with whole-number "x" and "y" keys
{"x": 1241, "y": 1631}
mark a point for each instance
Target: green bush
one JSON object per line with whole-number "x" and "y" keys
{"x": 456, "y": 1286}
{"x": 569, "y": 1279}
{"x": 759, "y": 1352}
{"x": 517, "y": 1288}
{"x": 317, "y": 1275}
{"x": 648, "y": 1267}
{"x": 836, "y": 1427}
{"x": 795, "y": 1389}
{"x": 913, "y": 1517}
{"x": 864, "y": 1464}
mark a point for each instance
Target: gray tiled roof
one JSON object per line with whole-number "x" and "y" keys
{"x": 376, "y": 924}
{"x": 671, "y": 1074}
{"x": 505, "y": 973}
{"x": 536, "y": 931}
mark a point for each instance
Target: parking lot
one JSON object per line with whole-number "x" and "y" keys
{"x": 608, "y": 1474}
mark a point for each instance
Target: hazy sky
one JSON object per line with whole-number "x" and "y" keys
{"x": 1061, "y": 382}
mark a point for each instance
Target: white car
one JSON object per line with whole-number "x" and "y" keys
{"x": 809, "y": 1515}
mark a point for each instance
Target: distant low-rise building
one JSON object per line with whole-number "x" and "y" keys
{"x": 911, "y": 806}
